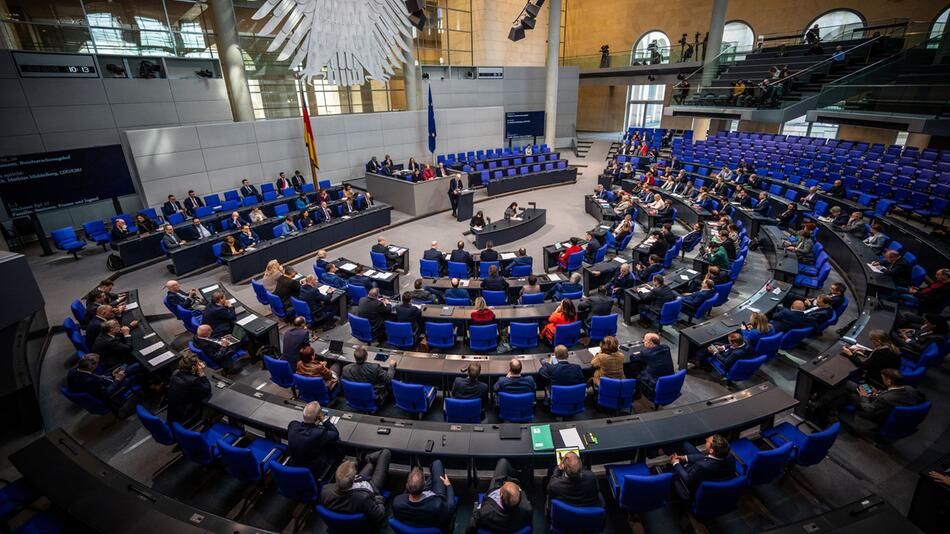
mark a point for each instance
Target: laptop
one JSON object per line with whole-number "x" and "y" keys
{"x": 336, "y": 347}
{"x": 236, "y": 336}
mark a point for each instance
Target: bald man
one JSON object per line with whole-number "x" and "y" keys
{"x": 434, "y": 254}
{"x": 655, "y": 359}
{"x": 785, "y": 319}
{"x": 505, "y": 507}
{"x": 176, "y": 297}
{"x": 218, "y": 350}
{"x": 573, "y": 484}
{"x": 312, "y": 443}
{"x": 382, "y": 248}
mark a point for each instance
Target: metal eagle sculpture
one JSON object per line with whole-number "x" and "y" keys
{"x": 342, "y": 41}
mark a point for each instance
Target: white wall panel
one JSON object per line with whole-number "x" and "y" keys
{"x": 235, "y": 133}
{"x": 223, "y": 157}
{"x": 64, "y": 91}
{"x": 162, "y": 140}
{"x": 203, "y": 111}
{"x": 123, "y": 91}
{"x": 73, "y": 118}
{"x": 141, "y": 114}
{"x": 160, "y": 166}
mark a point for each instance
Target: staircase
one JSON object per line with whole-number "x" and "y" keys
{"x": 582, "y": 148}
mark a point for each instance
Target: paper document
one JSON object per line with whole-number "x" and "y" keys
{"x": 163, "y": 357}
{"x": 571, "y": 438}
{"x": 594, "y": 351}
{"x": 690, "y": 271}
{"x": 146, "y": 336}
{"x": 684, "y": 277}
{"x": 777, "y": 290}
{"x": 209, "y": 288}
{"x": 370, "y": 273}
{"x": 232, "y": 301}
{"x": 326, "y": 290}
{"x": 348, "y": 266}
{"x": 875, "y": 268}
{"x": 247, "y": 319}
{"x": 151, "y": 348}
{"x": 507, "y": 255}
{"x": 131, "y": 306}
{"x": 620, "y": 260}
{"x": 554, "y": 277}
{"x": 464, "y": 283}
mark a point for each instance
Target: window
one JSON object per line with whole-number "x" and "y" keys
{"x": 645, "y": 108}
{"x": 740, "y": 34}
{"x": 838, "y": 25}
{"x": 902, "y": 136}
{"x": 652, "y": 48}
{"x": 447, "y": 37}
{"x": 798, "y": 126}
{"x": 940, "y": 24}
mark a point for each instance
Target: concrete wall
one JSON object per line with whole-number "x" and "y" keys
{"x": 491, "y": 21}
{"x": 603, "y": 107}
{"x": 620, "y": 23}
{"x": 867, "y": 135}
{"x": 48, "y": 114}
{"x": 522, "y": 89}
{"x": 215, "y": 158}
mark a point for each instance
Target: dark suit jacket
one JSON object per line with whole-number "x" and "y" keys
{"x": 562, "y": 373}
{"x": 454, "y": 184}
{"x": 186, "y": 396}
{"x": 220, "y": 319}
{"x": 461, "y": 256}
{"x": 489, "y": 254}
{"x": 294, "y": 340}
{"x": 171, "y": 207}
{"x": 192, "y": 203}
{"x": 119, "y": 235}
{"x": 286, "y": 288}
{"x": 102, "y": 387}
{"x": 699, "y": 469}
{"x": 695, "y": 300}
{"x": 93, "y": 328}
{"x": 659, "y": 247}
{"x": 519, "y": 384}
{"x": 113, "y": 351}
{"x": 314, "y": 298}
{"x": 194, "y": 235}
{"x": 820, "y": 315}
{"x": 375, "y": 311}
{"x": 656, "y": 298}
{"x": 495, "y": 283}
{"x": 213, "y": 350}
{"x": 464, "y": 388}
{"x": 356, "y": 501}
{"x": 730, "y": 355}
{"x": 171, "y": 241}
{"x": 370, "y": 373}
{"x": 657, "y": 363}
{"x": 407, "y": 313}
{"x": 877, "y": 408}
{"x": 519, "y": 260}
{"x": 312, "y": 446}
{"x": 647, "y": 272}
{"x": 786, "y": 319}
{"x": 248, "y": 241}
{"x": 591, "y": 251}
{"x": 391, "y": 257}
{"x": 900, "y": 272}
{"x": 249, "y": 190}
{"x": 493, "y": 518}
{"x": 582, "y": 491}
{"x": 434, "y": 255}
{"x": 596, "y": 305}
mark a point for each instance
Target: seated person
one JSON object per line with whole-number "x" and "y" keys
{"x": 295, "y": 338}
{"x": 653, "y": 301}
{"x": 591, "y": 248}
{"x": 513, "y": 382}
{"x": 667, "y": 234}
{"x": 913, "y": 341}
{"x": 621, "y": 281}
{"x": 564, "y": 314}
{"x": 248, "y": 237}
{"x": 106, "y": 388}
{"x": 838, "y": 189}
{"x": 170, "y": 239}
{"x": 219, "y": 315}
{"x": 456, "y": 292}
{"x": 568, "y": 252}
{"x": 392, "y": 258}
{"x": 521, "y": 258}
{"x": 482, "y": 314}
{"x": 188, "y": 390}
{"x": 312, "y": 443}
{"x": 407, "y": 313}
{"x": 658, "y": 246}
{"x": 654, "y": 361}
{"x": 478, "y": 221}
{"x": 144, "y": 224}
{"x": 320, "y": 311}
{"x": 332, "y": 279}
{"x": 875, "y": 406}
{"x": 883, "y": 355}
{"x": 531, "y": 287}
{"x": 114, "y": 345}
{"x": 469, "y": 386}
{"x": 120, "y": 231}
{"x": 596, "y": 305}
{"x": 692, "y": 301}
{"x": 235, "y": 221}
{"x": 930, "y": 298}
{"x": 359, "y": 492}
{"x": 692, "y": 468}
{"x": 489, "y": 254}
{"x": 645, "y": 273}
{"x": 176, "y": 297}
{"x": 837, "y": 216}
{"x": 218, "y": 350}
{"x": 716, "y": 255}
{"x": 573, "y": 485}
{"x": 561, "y": 372}
{"x": 757, "y": 328}
{"x": 460, "y": 255}
{"x": 785, "y": 319}
{"x": 309, "y": 365}
{"x": 665, "y": 213}
{"x": 324, "y": 213}
{"x": 421, "y": 294}
{"x": 609, "y": 361}
{"x": 358, "y": 278}
{"x": 287, "y": 287}
{"x": 199, "y": 230}
{"x": 288, "y": 227}
{"x": 728, "y": 355}
{"x": 505, "y": 507}
{"x": 855, "y": 225}
{"x": 231, "y": 247}
{"x": 821, "y": 311}
{"x": 304, "y": 219}
{"x": 434, "y": 254}
{"x": 370, "y": 373}
{"x": 896, "y": 266}
{"x": 762, "y": 206}
{"x": 558, "y": 290}
{"x": 877, "y": 239}
{"x": 494, "y": 281}
{"x": 426, "y": 503}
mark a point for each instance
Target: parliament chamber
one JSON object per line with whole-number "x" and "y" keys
{"x": 324, "y": 266}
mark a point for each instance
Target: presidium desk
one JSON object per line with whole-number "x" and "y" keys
{"x": 507, "y": 230}
{"x": 414, "y": 198}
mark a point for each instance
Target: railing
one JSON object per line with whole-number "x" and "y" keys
{"x": 841, "y": 32}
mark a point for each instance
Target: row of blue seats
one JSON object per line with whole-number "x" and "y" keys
{"x": 520, "y": 171}
{"x": 500, "y": 164}
{"x": 491, "y": 153}
{"x": 928, "y": 153}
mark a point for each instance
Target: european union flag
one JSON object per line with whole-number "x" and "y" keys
{"x": 431, "y": 123}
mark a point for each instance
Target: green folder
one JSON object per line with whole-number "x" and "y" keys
{"x": 541, "y": 438}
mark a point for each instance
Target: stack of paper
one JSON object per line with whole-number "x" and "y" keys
{"x": 571, "y": 438}
{"x": 507, "y": 255}
{"x": 209, "y": 288}
{"x": 348, "y": 266}
{"x": 326, "y": 290}
{"x": 247, "y": 319}
{"x": 131, "y": 306}
{"x": 151, "y": 348}
{"x": 554, "y": 277}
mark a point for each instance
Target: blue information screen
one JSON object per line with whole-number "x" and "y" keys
{"x": 56, "y": 180}
{"x": 524, "y": 124}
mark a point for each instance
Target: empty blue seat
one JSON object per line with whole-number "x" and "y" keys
{"x": 360, "y": 328}
{"x": 484, "y": 337}
{"x": 516, "y": 407}
{"x": 260, "y": 293}
{"x": 636, "y": 489}
{"x": 252, "y": 463}
{"x": 280, "y": 371}
{"x": 160, "y": 431}
{"x": 495, "y": 298}
{"x": 904, "y": 420}
{"x": 400, "y": 334}
{"x": 568, "y": 400}
{"x": 96, "y": 231}
{"x": 740, "y": 370}
{"x": 458, "y": 270}
{"x": 532, "y": 298}
{"x": 462, "y": 410}
{"x": 440, "y": 335}
{"x": 567, "y": 334}
{"x": 455, "y": 301}
{"x": 295, "y": 483}
{"x": 202, "y": 447}
{"x": 67, "y": 240}
{"x": 810, "y": 449}
{"x": 602, "y": 326}
{"x": 413, "y": 398}
{"x": 713, "y": 499}
{"x": 359, "y": 396}
{"x": 313, "y": 388}
{"x": 567, "y": 519}
{"x": 760, "y": 466}
{"x": 616, "y": 394}
{"x": 667, "y": 389}
{"x": 429, "y": 268}
{"x": 344, "y": 523}
{"x": 523, "y": 335}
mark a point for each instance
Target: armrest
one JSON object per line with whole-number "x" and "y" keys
{"x": 267, "y": 458}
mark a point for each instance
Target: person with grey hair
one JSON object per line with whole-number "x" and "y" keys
{"x": 573, "y": 484}
{"x": 573, "y": 285}
{"x": 106, "y": 388}
{"x": 370, "y": 373}
{"x": 218, "y": 350}
{"x": 114, "y": 345}
{"x": 375, "y": 310}
{"x": 358, "y": 491}
{"x": 313, "y": 442}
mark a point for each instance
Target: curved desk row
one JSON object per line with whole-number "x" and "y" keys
{"x": 463, "y": 314}
{"x": 508, "y": 230}
{"x": 103, "y": 499}
{"x": 510, "y": 184}
{"x": 599, "y": 209}
{"x": 853, "y": 257}
{"x": 515, "y": 284}
{"x": 286, "y": 248}
{"x": 386, "y": 281}
{"x": 686, "y": 211}
{"x": 479, "y": 446}
{"x": 146, "y": 246}
{"x": 149, "y": 349}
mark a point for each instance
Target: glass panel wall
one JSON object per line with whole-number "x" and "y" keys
{"x": 645, "y": 108}
{"x": 798, "y": 126}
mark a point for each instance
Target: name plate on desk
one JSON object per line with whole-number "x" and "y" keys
{"x": 131, "y": 306}
{"x": 209, "y": 288}
{"x": 161, "y": 358}
{"x": 247, "y": 319}
{"x": 151, "y": 348}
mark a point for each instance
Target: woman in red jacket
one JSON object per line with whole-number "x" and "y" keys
{"x": 562, "y": 259}
{"x": 427, "y": 173}
{"x": 482, "y": 314}
{"x": 564, "y": 314}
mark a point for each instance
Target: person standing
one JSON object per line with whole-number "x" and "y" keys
{"x": 455, "y": 191}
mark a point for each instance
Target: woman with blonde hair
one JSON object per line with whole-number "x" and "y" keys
{"x": 482, "y": 314}
{"x": 272, "y": 274}
{"x": 231, "y": 247}
{"x": 757, "y": 327}
{"x": 609, "y": 361}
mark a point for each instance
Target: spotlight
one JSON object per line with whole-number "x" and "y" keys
{"x": 417, "y": 14}
{"x": 204, "y": 73}
{"x": 118, "y": 71}
{"x": 528, "y": 23}
{"x": 532, "y": 10}
{"x": 651, "y": 77}
{"x": 517, "y": 32}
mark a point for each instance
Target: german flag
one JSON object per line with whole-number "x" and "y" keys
{"x": 308, "y": 140}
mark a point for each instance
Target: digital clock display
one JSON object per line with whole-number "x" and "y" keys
{"x": 59, "y": 69}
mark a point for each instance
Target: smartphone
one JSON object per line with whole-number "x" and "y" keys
{"x": 430, "y": 445}
{"x": 867, "y": 389}
{"x": 380, "y": 357}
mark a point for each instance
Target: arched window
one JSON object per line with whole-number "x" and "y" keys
{"x": 838, "y": 25}
{"x": 940, "y": 24}
{"x": 740, "y": 34}
{"x": 644, "y": 54}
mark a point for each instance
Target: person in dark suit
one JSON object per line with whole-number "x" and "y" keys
{"x": 218, "y": 350}
{"x": 489, "y": 254}
{"x": 106, "y": 388}
{"x": 821, "y": 311}
{"x": 785, "y": 319}
{"x": 692, "y": 301}
{"x": 297, "y": 180}
{"x": 282, "y": 182}
{"x": 573, "y": 485}
{"x": 667, "y": 234}
{"x": 441, "y": 171}
{"x": 295, "y": 339}
{"x": 461, "y": 255}
{"x": 360, "y": 279}
{"x": 434, "y": 254}
{"x": 572, "y": 285}
{"x": 420, "y": 294}
{"x": 219, "y": 315}
{"x": 455, "y": 190}
{"x": 875, "y": 406}
{"x": 505, "y": 507}
{"x": 654, "y": 360}
{"x": 120, "y": 231}
{"x": 373, "y": 165}
{"x": 914, "y": 341}
{"x": 312, "y": 443}
{"x": 522, "y": 258}
{"x": 198, "y": 230}
{"x": 621, "y": 281}
{"x": 494, "y": 281}
{"x": 655, "y": 299}
{"x": 358, "y": 491}
{"x": 407, "y": 313}
{"x": 456, "y": 292}
{"x": 248, "y": 237}
{"x": 596, "y": 305}
{"x": 370, "y": 373}
{"x": 762, "y": 206}
{"x": 392, "y": 258}
{"x": 591, "y": 248}
{"x": 94, "y": 326}
{"x": 659, "y": 246}
{"x": 665, "y": 214}
{"x": 469, "y": 386}
{"x": 323, "y": 213}
{"x": 320, "y": 314}
{"x": 193, "y": 202}
{"x": 425, "y": 504}
{"x": 114, "y": 345}
{"x": 654, "y": 265}
{"x": 249, "y": 190}
{"x": 513, "y": 382}
{"x": 561, "y": 372}
{"x": 897, "y": 267}
{"x": 288, "y": 286}
{"x": 728, "y": 355}
{"x": 692, "y": 468}
{"x": 170, "y": 239}
{"x": 172, "y": 206}
{"x": 187, "y": 391}
{"x": 332, "y": 279}
{"x": 883, "y": 355}
{"x": 838, "y": 190}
